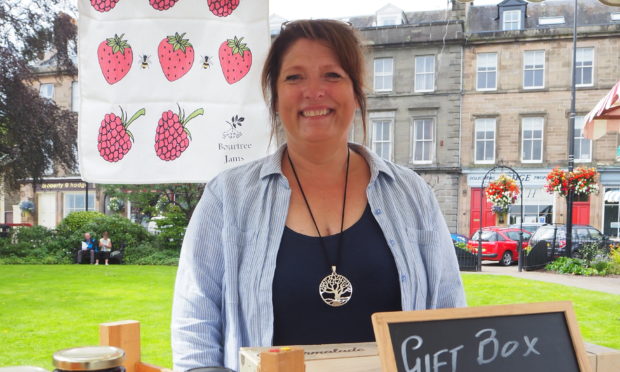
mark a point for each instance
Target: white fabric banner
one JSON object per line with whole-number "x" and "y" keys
{"x": 170, "y": 89}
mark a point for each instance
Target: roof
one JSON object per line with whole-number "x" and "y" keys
{"x": 590, "y": 12}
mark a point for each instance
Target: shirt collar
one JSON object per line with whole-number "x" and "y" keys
{"x": 273, "y": 163}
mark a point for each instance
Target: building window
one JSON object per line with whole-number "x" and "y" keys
{"x": 75, "y": 96}
{"x": 537, "y": 207}
{"x": 422, "y": 140}
{"x": 424, "y": 73}
{"x": 388, "y": 20}
{"x": 74, "y": 202}
{"x": 512, "y": 20}
{"x": 532, "y": 140}
{"x": 559, "y": 20}
{"x": 611, "y": 213}
{"x": 583, "y": 146}
{"x": 384, "y": 73}
{"x": 485, "y": 141}
{"x": 534, "y": 69}
{"x": 615, "y": 16}
{"x": 584, "y": 67}
{"x": 382, "y": 136}
{"x": 46, "y": 91}
{"x": 486, "y": 71}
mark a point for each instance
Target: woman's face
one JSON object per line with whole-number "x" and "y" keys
{"x": 316, "y": 101}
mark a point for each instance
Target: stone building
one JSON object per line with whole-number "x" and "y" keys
{"x": 516, "y": 104}
{"x": 62, "y": 190}
{"x": 414, "y": 63}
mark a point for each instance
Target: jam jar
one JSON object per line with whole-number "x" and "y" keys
{"x": 90, "y": 358}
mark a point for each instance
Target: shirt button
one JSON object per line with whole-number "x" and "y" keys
{"x": 378, "y": 211}
{"x": 403, "y": 278}
{"x": 392, "y": 242}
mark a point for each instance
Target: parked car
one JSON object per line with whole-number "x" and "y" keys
{"x": 458, "y": 238}
{"x": 529, "y": 226}
{"x": 499, "y": 243}
{"x": 582, "y": 234}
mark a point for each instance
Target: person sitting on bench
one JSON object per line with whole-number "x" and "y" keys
{"x": 89, "y": 246}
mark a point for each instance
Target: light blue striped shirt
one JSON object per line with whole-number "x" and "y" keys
{"x": 223, "y": 292}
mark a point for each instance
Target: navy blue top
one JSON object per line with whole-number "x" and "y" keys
{"x": 300, "y": 315}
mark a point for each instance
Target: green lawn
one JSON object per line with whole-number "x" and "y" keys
{"x": 47, "y": 308}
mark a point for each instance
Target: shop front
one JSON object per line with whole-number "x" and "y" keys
{"x": 538, "y": 205}
{"x": 56, "y": 197}
{"x": 610, "y": 191}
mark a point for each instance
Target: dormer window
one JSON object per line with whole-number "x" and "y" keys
{"x": 387, "y": 20}
{"x": 511, "y": 20}
{"x": 511, "y": 14}
{"x": 390, "y": 15}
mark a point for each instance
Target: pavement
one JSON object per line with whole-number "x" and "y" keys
{"x": 607, "y": 284}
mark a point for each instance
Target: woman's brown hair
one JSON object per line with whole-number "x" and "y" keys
{"x": 339, "y": 36}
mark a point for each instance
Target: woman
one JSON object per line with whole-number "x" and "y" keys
{"x": 302, "y": 246}
{"x": 105, "y": 246}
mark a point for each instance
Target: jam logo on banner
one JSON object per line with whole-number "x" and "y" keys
{"x": 170, "y": 90}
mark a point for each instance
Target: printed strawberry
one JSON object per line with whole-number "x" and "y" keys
{"x": 103, "y": 5}
{"x": 222, "y": 8}
{"x": 235, "y": 59}
{"x": 171, "y": 136}
{"x": 115, "y": 58}
{"x": 176, "y": 56}
{"x": 162, "y": 4}
{"x": 114, "y": 140}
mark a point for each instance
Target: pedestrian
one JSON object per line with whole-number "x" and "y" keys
{"x": 105, "y": 247}
{"x": 302, "y": 246}
{"x": 89, "y": 247}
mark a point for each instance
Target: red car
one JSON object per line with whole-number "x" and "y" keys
{"x": 499, "y": 244}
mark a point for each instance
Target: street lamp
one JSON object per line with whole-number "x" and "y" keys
{"x": 571, "y": 131}
{"x": 571, "y": 141}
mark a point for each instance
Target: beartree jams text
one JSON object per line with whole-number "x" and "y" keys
{"x": 489, "y": 349}
{"x": 228, "y": 158}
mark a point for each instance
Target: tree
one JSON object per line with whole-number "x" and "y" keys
{"x": 153, "y": 200}
{"x": 35, "y": 134}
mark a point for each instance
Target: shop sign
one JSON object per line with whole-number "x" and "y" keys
{"x": 529, "y": 179}
{"x": 62, "y": 186}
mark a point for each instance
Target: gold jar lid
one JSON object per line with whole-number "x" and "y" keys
{"x": 88, "y": 358}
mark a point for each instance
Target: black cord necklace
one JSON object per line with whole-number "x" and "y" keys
{"x": 335, "y": 289}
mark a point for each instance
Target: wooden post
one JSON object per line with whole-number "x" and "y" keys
{"x": 125, "y": 335}
{"x": 284, "y": 359}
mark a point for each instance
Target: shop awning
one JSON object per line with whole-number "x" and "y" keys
{"x": 612, "y": 196}
{"x": 605, "y": 116}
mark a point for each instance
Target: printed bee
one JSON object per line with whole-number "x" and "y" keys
{"x": 144, "y": 61}
{"x": 207, "y": 62}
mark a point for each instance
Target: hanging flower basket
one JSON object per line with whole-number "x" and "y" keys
{"x": 115, "y": 204}
{"x": 26, "y": 206}
{"x": 502, "y": 193}
{"x": 581, "y": 180}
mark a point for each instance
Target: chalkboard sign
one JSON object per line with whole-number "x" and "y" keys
{"x": 539, "y": 337}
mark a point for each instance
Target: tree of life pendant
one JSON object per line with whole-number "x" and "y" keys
{"x": 335, "y": 289}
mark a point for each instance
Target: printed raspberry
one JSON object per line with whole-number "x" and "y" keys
{"x": 222, "y": 8}
{"x": 114, "y": 140}
{"x": 103, "y": 5}
{"x": 171, "y": 136}
{"x": 162, "y": 4}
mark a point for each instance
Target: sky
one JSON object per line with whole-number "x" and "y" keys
{"x": 295, "y": 9}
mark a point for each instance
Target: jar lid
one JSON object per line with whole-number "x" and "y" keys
{"x": 88, "y": 358}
